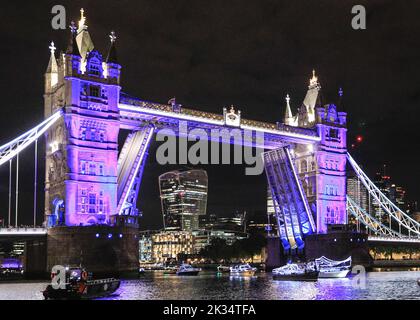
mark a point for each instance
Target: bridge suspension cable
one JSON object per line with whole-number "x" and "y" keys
{"x": 9, "y": 222}
{"x": 11, "y": 149}
{"x": 403, "y": 219}
{"x": 367, "y": 220}
{"x": 35, "y": 180}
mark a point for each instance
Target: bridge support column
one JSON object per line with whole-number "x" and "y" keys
{"x": 339, "y": 245}
{"x": 35, "y": 258}
{"x": 103, "y": 250}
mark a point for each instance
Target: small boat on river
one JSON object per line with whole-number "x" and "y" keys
{"x": 223, "y": 269}
{"x": 243, "y": 270}
{"x": 296, "y": 272}
{"x": 333, "y": 269}
{"x": 80, "y": 285}
{"x": 187, "y": 270}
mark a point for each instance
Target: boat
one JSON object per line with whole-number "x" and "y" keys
{"x": 11, "y": 269}
{"x": 242, "y": 270}
{"x": 223, "y": 269}
{"x": 296, "y": 272}
{"x": 80, "y": 285}
{"x": 142, "y": 271}
{"x": 170, "y": 270}
{"x": 188, "y": 270}
{"x": 333, "y": 269}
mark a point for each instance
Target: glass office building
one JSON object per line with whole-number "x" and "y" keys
{"x": 184, "y": 199}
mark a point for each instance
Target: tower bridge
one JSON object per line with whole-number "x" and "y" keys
{"x": 91, "y": 189}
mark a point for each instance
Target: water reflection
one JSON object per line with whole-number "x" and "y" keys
{"x": 210, "y": 286}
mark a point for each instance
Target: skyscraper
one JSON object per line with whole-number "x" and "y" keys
{"x": 357, "y": 191}
{"x": 183, "y": 198}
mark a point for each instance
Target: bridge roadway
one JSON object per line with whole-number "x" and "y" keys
{"x": 22, "y": 234}
{"x": 39, "y": 232}
{"x": 135, "y": 112}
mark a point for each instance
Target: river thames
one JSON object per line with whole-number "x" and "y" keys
{"x": 399, "y": 285}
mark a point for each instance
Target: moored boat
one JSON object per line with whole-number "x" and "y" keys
{"x": 223, "y": 269}
{"x": 296, "y": 272}
{"x": 80, "y": 285}
{"x": 243, "y": 270}
{"x": 188, "y": 270}
{"x": 333, "y": 269}
{"x": 170, "y": 270}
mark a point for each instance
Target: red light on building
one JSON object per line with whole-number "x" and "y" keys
{"x": 359, "y": 139}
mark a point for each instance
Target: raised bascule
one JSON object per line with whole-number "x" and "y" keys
{"x": 91, "y": 189}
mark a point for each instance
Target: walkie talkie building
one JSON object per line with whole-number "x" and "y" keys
{"x": 183, "y": 198}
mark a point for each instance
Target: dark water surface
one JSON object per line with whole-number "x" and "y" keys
{"x": 209, "y": 286}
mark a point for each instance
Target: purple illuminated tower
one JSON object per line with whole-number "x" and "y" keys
{"x": 331, "y": 158}
{"x": 82, "y": 149}
{"x": 82, "y": 159}
{"x": 322, "y": 166}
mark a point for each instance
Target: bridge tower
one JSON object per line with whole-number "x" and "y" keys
{"x": 82, "y": 149}
{"x": 322, "y": 166}
{"x": 331, "y": 159}
{"x": 81, "y": 189}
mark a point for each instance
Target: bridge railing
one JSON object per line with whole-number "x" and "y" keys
{"x": 22, "y": 231}
{"x": 393, "y": 239}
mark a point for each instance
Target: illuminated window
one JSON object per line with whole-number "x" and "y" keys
{"x": 83, "y": 133}
{"x": 92, "y": 169}
{"x": 92, "y": 203}
{"x": 94, "y": 91}
{"x": 104, "y": 94}
{"x": 333, "y": 133}
{"x": 101, "y": 136}
{"x": 83, "y": 167}
{"x": 94, "y": 69}
{"x": 101, "y": 206}
{"x": 83, "y": 202}
{"x": 92, "y": 134}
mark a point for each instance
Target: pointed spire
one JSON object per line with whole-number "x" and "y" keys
{"x": 82, "y": 21}
{"x": 311, "y": 102}
{"x": 313, "y": 82}
{"x": 112, "y": 54}
{"x": 52, "y": 65}
{"x": 288, "y": 113}
{"x": 83, "y": 38}
{"x": 52, "y": 48}
{"x": 73, "y": 48}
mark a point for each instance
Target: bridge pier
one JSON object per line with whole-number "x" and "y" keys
{"x": 35, "y": 258}
{"x": 339, "y": 245}
{"x": 336, "y": 245}
{"x": 103, "y": 250}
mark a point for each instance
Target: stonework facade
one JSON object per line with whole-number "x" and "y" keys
{"x": 82, "y": 149}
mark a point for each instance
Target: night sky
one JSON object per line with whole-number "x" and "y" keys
{"x": 211, "y": 54}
